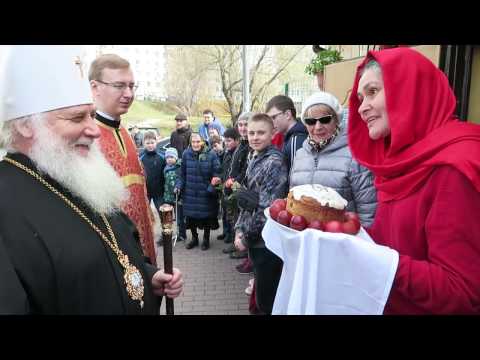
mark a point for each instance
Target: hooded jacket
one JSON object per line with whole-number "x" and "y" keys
{"x": 267, "y": 175}
{"x": 153, "y": 164}
{"x": 293, "y": 141}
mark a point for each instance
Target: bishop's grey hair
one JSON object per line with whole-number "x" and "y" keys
{"x": 8, "y": 130}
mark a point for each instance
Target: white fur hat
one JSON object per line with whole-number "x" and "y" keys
{"x": 39, "y": 78}
{"x": 325, "y": 99}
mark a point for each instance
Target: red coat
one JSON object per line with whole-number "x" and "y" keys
{"x": 437, "y": 234}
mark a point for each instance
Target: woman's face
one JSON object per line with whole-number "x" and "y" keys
{"x": 373, "y": 109}
{"x": 319, "y": 131}
{"x": 242, "y": 128}
{"x": 197, "y": 142}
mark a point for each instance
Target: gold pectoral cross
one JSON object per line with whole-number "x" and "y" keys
{"x": 80, "y": 65}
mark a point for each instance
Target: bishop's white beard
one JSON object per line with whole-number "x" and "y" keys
{"x": 91, "y": 178}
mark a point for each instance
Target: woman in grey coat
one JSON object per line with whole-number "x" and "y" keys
{"x": 325, "y": 157}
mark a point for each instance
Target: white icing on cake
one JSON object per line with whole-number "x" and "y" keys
{"x": 323, "y": 194}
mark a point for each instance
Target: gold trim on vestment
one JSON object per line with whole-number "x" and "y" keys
{"x": 132, "y": 179}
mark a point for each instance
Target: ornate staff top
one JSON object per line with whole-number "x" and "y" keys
{"x": 166, "y": 216}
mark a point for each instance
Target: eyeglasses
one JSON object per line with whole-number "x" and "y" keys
{"x": 120, "y": 86}
{"x": 275, "y": 116}
{"x": 323, "y": 120}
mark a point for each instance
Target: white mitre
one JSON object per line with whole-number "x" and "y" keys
{"x": 39, "y": 78}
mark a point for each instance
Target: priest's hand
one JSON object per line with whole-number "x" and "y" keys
{"x": 167, "y": 284}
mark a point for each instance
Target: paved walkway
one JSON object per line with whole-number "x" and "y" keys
{"x": 212, "y": 284}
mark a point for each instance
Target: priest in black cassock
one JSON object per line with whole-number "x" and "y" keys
{"x": 65, "y": 245}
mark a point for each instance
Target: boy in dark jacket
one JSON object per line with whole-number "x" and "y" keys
{"x": 283, "y": 113}
{"x": 232, "y": 139}
{"x": 170, "y": 174}
{"x": 266, "y": 179}
{"x": 236, "y": 173}
{"x": 153, "y": 164}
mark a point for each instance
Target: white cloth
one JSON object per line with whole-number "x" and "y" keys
{"x": 40, "y": 78}
{"x": 329, "y": 273}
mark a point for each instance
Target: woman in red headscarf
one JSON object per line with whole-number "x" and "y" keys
{"x": 426, "y": 164}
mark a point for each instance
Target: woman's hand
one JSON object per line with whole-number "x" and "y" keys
{"x": 229, "y": 183}
{"x": 215, "y": 181}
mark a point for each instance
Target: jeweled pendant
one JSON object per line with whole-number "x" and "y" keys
{"x": 134, "y": 281}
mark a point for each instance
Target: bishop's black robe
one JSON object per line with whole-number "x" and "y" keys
{"x": 53, "y": 262}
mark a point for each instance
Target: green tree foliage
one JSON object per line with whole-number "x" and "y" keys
{"x": 322, "y": 59}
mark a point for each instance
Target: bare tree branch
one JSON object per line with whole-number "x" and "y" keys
{"x": 275, "y": 75}
{"x": 197, "y": 63}
{"x": 257, "y": 66}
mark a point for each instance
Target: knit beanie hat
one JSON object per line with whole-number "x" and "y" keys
{"x": 323, "y": 98}
{"x": 171, "y": 152}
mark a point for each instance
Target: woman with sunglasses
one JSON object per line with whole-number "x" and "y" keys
{"x": 325, "y": 157}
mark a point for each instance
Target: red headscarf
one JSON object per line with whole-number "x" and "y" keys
{"x": 424, "y": 130}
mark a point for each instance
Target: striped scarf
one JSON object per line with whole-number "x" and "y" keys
{"x": 323, "y": 144}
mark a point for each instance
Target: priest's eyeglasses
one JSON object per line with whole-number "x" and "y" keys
{"x": 323, "y": 120}
{"x": 120, "y": 86}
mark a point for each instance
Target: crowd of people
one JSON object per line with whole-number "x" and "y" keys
{"x": 398, "y": 155}
{"x": 234, "y": 174}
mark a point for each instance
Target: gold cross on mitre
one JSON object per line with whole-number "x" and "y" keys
{"x": 80, "y": 65}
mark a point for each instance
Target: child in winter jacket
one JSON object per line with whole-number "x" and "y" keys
{"x": 153, "y": 164}
{"x": 170, "y": 175}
